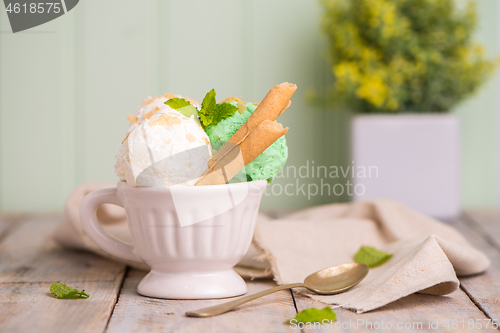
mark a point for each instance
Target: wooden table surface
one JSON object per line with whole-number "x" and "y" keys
{"x": 30, "y": 261}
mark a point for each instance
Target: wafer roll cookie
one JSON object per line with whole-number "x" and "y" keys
{"x": 239, "y": 156}
{"x": 260, "y": 138}
{"x": 270, "y": 108}
{"x": 229, "y": 145}
{"x": 225, "y": 169}
{"x": 277, "y": 99}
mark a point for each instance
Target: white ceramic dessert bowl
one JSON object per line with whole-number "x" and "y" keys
{"x": 190, "y": 236}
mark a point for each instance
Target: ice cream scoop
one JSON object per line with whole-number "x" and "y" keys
{"x": 164, "y": 145}
{"x": 166, "y": 148}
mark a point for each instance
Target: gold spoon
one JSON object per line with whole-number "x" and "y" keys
{"x": 328, "y": 281}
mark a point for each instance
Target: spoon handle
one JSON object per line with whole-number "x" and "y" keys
{"x": 224, "y": 307}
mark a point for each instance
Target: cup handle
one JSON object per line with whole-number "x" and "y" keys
{"x": 94, "y": 230}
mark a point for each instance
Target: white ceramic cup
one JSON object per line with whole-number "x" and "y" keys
{"x": 190, "y": 236}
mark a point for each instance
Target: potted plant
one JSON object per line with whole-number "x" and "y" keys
{"x": 401, "y": 66}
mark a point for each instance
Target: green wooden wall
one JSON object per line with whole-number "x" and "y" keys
{"x": 66, "y": 87}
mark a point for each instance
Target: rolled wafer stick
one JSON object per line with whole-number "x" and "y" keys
{"x": 240, "y": 155}
{"x": 225, "y": 170}
{"x": 229, "y": 145}
{"x": 260, "y": 138}
{"x": 275, "y": 102}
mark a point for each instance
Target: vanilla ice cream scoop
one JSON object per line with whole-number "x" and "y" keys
{"x": 167, "y": 148}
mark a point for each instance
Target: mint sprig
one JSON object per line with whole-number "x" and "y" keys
{"x": 60, "y": 290}
{"x": 207, "y": 106}
{"x": 213, "y": 113}
{"x": 210, "y": 113}
{"x": 371, "y": 256}
{"x": 313, "y": 315}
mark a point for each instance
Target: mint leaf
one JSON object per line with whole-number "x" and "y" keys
{"x": 313, "y": 315}
{"x": 60, "y": 290}
{"x": 189, "y": 111}
{"x": 207, "y": 108}
{"x": 223, "y": 111}
{"x": 177, "y": 103}
{"x": 371, "y": 256}
{"x": 183, "y": 106}
{"x": 213, "y": 113}
{"x": 208, "y": 103}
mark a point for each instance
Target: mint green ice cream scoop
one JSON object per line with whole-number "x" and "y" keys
{"x": 267, "y": 164}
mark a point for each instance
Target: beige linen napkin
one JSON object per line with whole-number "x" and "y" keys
{"x": 427, "y": 253}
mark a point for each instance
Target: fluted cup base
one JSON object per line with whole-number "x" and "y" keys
{"x": 192, "y": 285}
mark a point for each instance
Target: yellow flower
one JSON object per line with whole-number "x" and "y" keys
{"x": 395, "y": 55}
{"x": 347, "y": 75}
{"x": 373, "y": 90}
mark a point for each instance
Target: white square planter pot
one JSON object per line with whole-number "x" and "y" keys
{"x": 413, "y": 159}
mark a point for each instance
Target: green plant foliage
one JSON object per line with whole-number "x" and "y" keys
{"x": 403, "y": 55}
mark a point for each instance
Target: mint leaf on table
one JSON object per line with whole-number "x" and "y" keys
{"x": 313, "y": 315}
{"x": 213, "y": 113}
{"x": 371, "y": 256}
{"x": 60, "y": 290}
{"x": 183, "y": 106}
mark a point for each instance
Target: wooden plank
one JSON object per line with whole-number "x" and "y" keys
{"x": 30, "y": 255}
{"x": 30, "y": 262}
{"x": 135, "y": 313}
{"x": 29, "y": 307}
{"x": 483, "y": 289}
{"x": 7, "y": 221}
{"x": 413, "y": 313}
{"x": 486, "y": 223}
